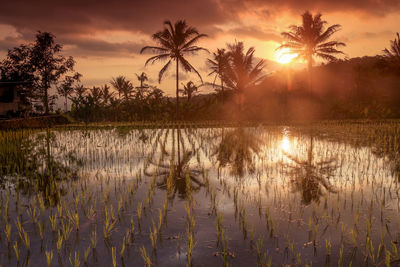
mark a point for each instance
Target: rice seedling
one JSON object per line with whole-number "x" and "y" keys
{"x": 49, "y": 257}
{"x": 145, "y": 257}
{"x": 109, "y": 223}
{"x": 7, "y": 231}
{"x": 16, "y": 251}
{"x": 86, "y": 255}
{"x": 114, "y": 256}
{"x": 93, "y": 238}
{"x": 53, "y": 222}
{"x": 74, "y": 261}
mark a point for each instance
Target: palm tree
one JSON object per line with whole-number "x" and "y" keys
{"x": 189, "y": 90}
{"x": 65, "y": 90}
{"x": 142, "y": 78}
{"x": 241, "y": 73}
{"x": 311, "y": 39}
{"x": 175, "y": 42}
{"x": 218, "y": 66}
{"x": 106, "y": 94}
{"x": 123, "y": 86}
{"x": 394, "y": 51}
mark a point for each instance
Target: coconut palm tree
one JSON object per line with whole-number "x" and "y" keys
{"x": 394, "y": 51}
{"x": 189, "y": 89}
{"x": 66, "y": 88}
{"x": 218, "y": 66}
{"x": 123, "y": 86}
{"x": 106, "y": 94}
{"x": 242, "y": 73}
{"x": 312, "y": 39}
{"x": 142, "y": 78}
{"x": 175, "y": 42}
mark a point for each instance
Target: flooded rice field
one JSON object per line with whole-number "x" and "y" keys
{"x": 322, "y": 195}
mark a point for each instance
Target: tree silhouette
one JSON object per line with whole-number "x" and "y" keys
{"x": 218, "y": 65}
{"x": 175, "y": 42}
{"x": 142, "y": 78}
{"x": 123, "y": 87}
{"x": 66, "y": 88}
{"x": 394, "y": 51}
{"x": 106, "y": 94}
{"x": 311, "y": 39}
{"x": 241, "y": 72}
{"x": 189, "y": 90}
{"x": 40, "y": 63}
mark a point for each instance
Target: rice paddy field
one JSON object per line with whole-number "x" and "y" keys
{"x": 322, "y": 194}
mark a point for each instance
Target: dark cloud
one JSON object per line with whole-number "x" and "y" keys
{"x": 255, "y": 32}
{"x": 74, "y": 21}
{"x": 90, "y": 47}
{"x": 79, "y": 16}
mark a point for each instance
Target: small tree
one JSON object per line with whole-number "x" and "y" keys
{"x": 48, "y": 67}
{"x": 123, "y": 86}
{"x": 66, "y": 88}
{"x": 40, "y": 63}
{"x": 189, "y": 89}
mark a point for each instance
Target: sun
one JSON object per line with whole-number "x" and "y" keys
{"x": 284, "y": 56}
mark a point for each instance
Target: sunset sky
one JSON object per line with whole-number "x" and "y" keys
{"x": 105, "y": 37}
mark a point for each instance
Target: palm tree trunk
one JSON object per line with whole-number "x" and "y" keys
{"x": 309, "y": 62}
{"x": 46, "y": 101}
{"x": 177, "y": 90}
{"x": 222, "y": 90}
{"x": 66, "y": 103}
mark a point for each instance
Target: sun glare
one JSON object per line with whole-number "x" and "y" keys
{"x": 284, "y": 56}
{"x": 285, "y": 144}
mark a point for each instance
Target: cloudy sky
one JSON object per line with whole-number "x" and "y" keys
{"x": 105, "y": 37}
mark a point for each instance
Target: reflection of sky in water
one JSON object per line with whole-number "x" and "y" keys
{"x": 277, "y": 165}
{"x": 108, "y": 152}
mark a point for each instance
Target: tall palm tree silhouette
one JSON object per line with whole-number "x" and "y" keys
{"x": 123, "y": 86}
{"x": 175, "y": 42}
{"x": 242, "y": 73}
{"x": 218, "y": 65}
{"x": 311, "y": 39}
{"x": 394, "y": 51}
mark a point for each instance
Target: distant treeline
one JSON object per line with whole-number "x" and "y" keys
{"x": 367, "y": 87}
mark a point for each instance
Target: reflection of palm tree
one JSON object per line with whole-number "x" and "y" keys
{"x": 394, "y": 51}
{"x": 175, "y": 42}
{"x": 175, "y": 175}
{"x": 311, "y": 39}
{"x": 310, "y": 177}
{"x": 218, "y": 65}
{"x": 236, "y": 149}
